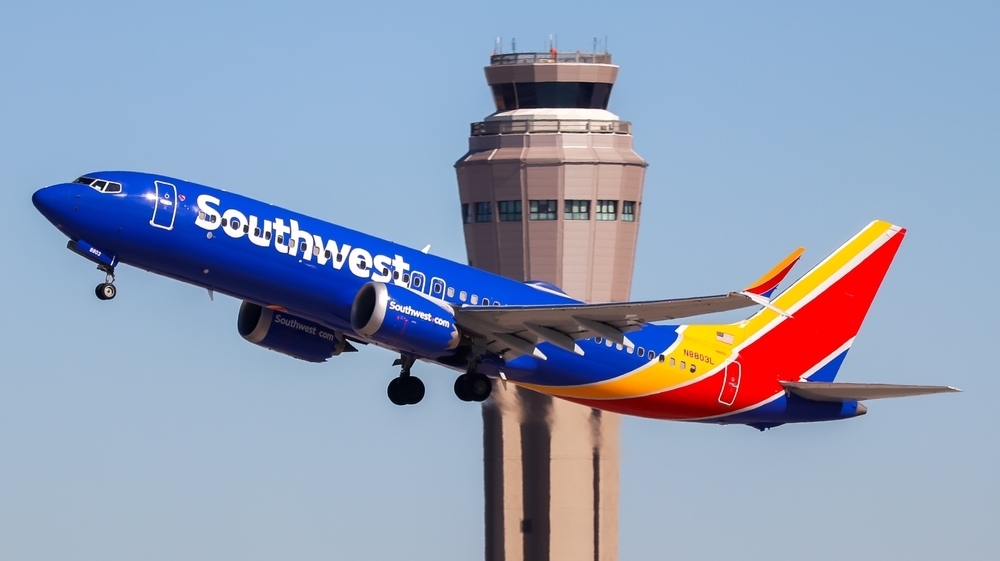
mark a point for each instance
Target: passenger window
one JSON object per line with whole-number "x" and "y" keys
{"x": 598, "y": 340}
{"x": 651, "y": 354}
{"x": 362, "y": 265}
{"x": 406, "y": 278}
{"x": 315, "y": 250}
{"x": 281, "y": 239}
{"x": 618, "y": 346}
{"x": 214, "y": 218}
{"x": 683, "y": 365}
{"x": 267, "y": 234}
{"x": 608, "y": 343}
{"x": 495, "y": 303}
{"x": 486, "y": 301}
{"x": 340, "y": 257}
{"x": 201, "y": 215}
{"x": 462, "y": 295}
{"x": 642, "y": 351}
{"x": 246, "y": 228}
{"x": 661, "y": 358}
{"x": 451, "y": 292}
{"x": 630, "y": 350}
{"x": 673, "y": 361}
{"x": 385, "y": 272}
{"x": 395, "y": 275}
{"x": 302, "y": 247}
{"x": 694, "y": 368}
{"x": 328, "y": 254}
{"x": 474, "y": 299}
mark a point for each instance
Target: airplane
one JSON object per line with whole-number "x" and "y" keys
{"x": 313, "y": 290}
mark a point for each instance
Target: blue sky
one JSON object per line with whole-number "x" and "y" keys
{"x": 146, "y": 428}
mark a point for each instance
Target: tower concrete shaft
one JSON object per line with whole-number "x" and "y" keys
{"x": 551, "y": 190}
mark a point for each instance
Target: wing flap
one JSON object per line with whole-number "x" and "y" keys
{"x": 842, "y": 391}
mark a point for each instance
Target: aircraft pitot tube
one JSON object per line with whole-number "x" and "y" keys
{"x": 405, "y": 320}
{"x": 290, "y": 335}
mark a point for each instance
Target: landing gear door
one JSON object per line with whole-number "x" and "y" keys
{"x": 165, "y": 209}
{"x": 730, "y": 383}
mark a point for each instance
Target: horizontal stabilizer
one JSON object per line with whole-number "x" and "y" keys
{"x": 840, "y": 392}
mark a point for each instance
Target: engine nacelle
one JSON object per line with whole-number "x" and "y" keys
{"x": 290, "y": 335}
{"x": 398, "y": 317}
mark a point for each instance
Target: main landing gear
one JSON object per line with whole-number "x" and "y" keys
{"x": 405, "y": 389}
{"x": 473, "y": 386}
{"x": 106, "y": 290}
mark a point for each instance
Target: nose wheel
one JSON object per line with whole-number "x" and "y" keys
{"x": 106, "y": 290}
{"x": 405, "y": 389}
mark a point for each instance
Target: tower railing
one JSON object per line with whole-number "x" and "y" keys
{"x": 486, "y": 128}
{"x": 549, "y": 58}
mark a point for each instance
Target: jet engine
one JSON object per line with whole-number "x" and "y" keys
{"x": 405, "y": 320}
{"x": 290, "y": 335}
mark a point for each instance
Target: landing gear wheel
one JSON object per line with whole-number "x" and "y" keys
{"x": 462, "y": 388}
{"x": 106, "y": 291}
{"x": 480, "y": 387}
{"x": 473, "y": 386}
{"x": 405, "y": 390}
{"x": 412, "y": 390}
{"x": 393, "y": 392}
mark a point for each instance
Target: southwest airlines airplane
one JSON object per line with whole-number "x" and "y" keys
{"x": 313, "y": 290}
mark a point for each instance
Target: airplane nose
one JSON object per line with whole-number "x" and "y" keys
{"x": 53, "y": 202}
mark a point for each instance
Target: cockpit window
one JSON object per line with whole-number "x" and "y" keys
{"x": 100, "y": 184}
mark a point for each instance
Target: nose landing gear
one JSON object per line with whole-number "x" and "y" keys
{"x": 106, "y": 290}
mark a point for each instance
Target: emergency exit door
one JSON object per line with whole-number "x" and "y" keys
{"x": 730, "y": 383}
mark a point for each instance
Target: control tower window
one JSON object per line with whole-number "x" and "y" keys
{"x": 466, "y": 215}
{"x": 542, "y": 210}
{"x": 551, "y": 95}
{"x": 628, "y": 211}
{"x": 577, "y": 210}
{"x": 607, "y": 210}
{"x": 484, "y": 212}
{"x": 510, "y": 211}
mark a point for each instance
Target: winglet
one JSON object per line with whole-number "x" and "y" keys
{"x": 766, "y": 284}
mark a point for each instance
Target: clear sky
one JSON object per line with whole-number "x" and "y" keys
{"x": 145, "y": 428}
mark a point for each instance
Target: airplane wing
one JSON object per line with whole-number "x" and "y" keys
{"x": 840, "y": 392}
{"x": 519, "y": 329}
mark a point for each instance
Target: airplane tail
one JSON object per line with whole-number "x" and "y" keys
{"x": 804, "y": 333}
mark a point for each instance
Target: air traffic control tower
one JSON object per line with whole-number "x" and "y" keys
{"x": 551, "y": 190}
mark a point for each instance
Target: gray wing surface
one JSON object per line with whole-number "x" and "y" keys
{"x": 842, "y": 391}
{"x": 521, "y": 328}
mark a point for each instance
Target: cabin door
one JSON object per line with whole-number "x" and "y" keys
{"x": 165, "y": 209}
